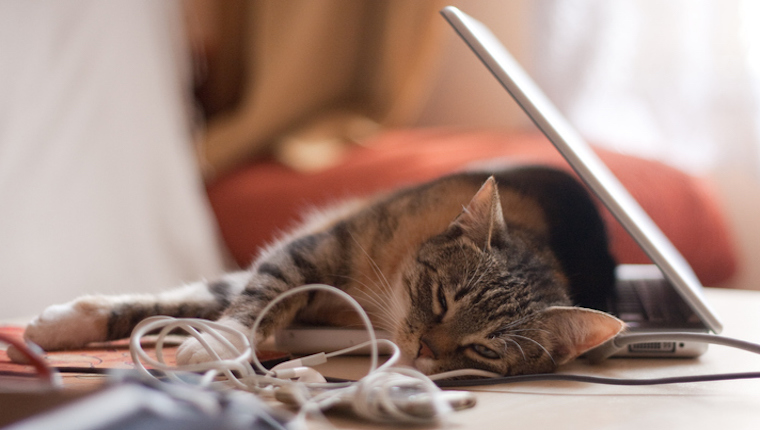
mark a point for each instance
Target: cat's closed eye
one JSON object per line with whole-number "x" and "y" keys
{"x": 442, "y": 302}
{"x": 485, "y": 351}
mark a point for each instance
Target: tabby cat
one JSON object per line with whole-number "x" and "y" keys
{"x": 473, "y": 270}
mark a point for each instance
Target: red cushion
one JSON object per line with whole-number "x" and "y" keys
{"x": 253, "y": 204}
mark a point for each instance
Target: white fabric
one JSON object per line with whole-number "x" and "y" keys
{"x": 99, "y": 191}
{"x": 675, "y": 80}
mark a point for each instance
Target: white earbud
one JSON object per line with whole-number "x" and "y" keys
{"x": 304, "y": 374}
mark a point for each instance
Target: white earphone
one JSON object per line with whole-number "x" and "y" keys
{"x": 375, "y": 397}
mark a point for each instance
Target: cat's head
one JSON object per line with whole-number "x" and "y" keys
{"x": 482, "y": 297}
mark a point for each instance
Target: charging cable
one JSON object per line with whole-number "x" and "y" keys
{"x": 617, "y": 343}
{"x": 622, "y": 340}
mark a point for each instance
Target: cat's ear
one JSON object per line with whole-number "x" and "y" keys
{"x": 576, "y": 330}
{"x": 482, "y": 220}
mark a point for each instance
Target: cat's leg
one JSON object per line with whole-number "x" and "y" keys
{"x": 101, "y": 318}
{"x": 304, "y": 260}
{"x": 240, "y": 317}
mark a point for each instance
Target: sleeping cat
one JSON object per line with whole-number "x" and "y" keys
{"x": 472, "y": 270}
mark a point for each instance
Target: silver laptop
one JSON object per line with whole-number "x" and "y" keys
{"x": 666, "y": 296}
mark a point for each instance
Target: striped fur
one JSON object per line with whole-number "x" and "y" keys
{"x": 490, "y": 286}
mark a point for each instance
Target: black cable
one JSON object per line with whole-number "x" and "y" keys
{"x": 619, "y": 342}
{"x": 595, "y": 379}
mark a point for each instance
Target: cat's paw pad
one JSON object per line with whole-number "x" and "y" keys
{"x": 193, "y": 352}
{"x": 70, "y": 325}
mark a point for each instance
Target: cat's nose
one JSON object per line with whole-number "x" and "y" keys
{"x": 425, "y": 350}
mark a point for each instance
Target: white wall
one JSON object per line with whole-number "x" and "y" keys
{"x": 98, "y": 186}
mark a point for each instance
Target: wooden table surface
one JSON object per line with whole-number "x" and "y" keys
{"x": 570, "y": 405}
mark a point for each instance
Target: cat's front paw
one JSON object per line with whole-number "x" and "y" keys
{"x": 193, "y": 352}
{"x": 70, "y": 325}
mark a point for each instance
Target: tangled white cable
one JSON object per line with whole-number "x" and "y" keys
{"x": 385, "y": 394}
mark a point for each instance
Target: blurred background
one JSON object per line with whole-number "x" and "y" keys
{"x": 118, "y": 118}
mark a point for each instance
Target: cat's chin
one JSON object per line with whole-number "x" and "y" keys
{"x": 424, "y": 365}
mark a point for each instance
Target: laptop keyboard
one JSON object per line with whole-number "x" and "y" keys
{"x": 649, "y": 300}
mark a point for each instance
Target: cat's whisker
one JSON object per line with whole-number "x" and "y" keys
{"x": 470, "y": 280}
{"x": 505, "y": 340}
{"x": 470, "y": 276}
{"x": 481, "y": 259}
{"x": 371, "y": 296}
{"x": 382, "y": 314}
{"x": 472, "y": 273}
{"x": 485, "y": 271}
{"x": 372, "y": 299}
{"x": 537, "y": 343}
{"x": 388, "y": 302}
{"x": 388, "y": 312}
{"x": 375, "y": 268}
{"x": 381, "y": 322}
{"x": 378, "y": 322}
{"x": 517, "y": 322}
{"x": 389, "y": 315}
{"x": 382, "y": 319}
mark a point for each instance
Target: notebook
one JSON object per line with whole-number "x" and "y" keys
{"x": 664, "y": 296}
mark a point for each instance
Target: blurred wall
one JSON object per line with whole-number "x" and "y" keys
{"x": 463, "y": 92}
